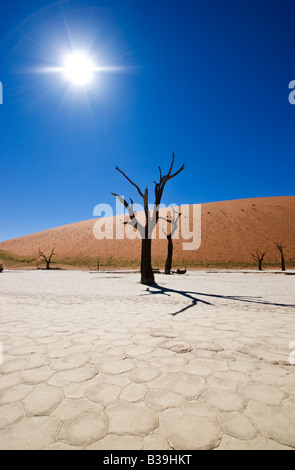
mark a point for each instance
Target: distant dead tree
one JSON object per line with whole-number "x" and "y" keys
{"x": 147, "y": 275}
{"x": 174, "y": 224}
{"x": 280, "y": 247}
{"x": 47, "y": 259}
{"x": 168, "y": 264}
{"x": 1, "y": 268}
{"x": 258, "y": 256}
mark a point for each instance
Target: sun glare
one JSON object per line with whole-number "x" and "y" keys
{"x": 79, "y": 69}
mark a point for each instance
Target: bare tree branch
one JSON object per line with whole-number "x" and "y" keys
{"x": 258, "y": 255}
{"x": 42, "y": 254}
{"x": 160, "y": 173}
{"x": 51, "y": 254}
{"x": 280, "y": 247}
{"x": 174, "y": 222}
{"x": 47, "y": 259}
{"x": 159, "y": 187}
{"x": 169, "y": 176}
{"x": 172, "y": 163}
{"x": 130, "y": 211}
{"x": 130, "y": 181}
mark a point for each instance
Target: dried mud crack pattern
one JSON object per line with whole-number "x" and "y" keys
{"x": 101, "y": 364}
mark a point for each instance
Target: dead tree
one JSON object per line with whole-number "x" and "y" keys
{"x": 168, "y": 264}
{"x": 280, "y": 247}
{"x": 1, "y": 268}
{"x": 47, "y": 259}
{"x": 151, "y": 219}
{"x": 259, "y": 257}
{"x": 174, "y": 223}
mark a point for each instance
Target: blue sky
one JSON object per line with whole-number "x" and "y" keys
{"x": 205, "y": 79}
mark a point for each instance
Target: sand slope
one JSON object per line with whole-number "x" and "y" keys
{"x": 230, "y": 230}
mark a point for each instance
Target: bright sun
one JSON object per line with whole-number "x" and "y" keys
{"x": 79, "y": 69}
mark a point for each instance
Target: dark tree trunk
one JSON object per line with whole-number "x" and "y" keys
{"x": 280, "y": 247}
{"x": 147, "y": 275}
{"x": 283, "y": 262}
{"x": 260, "y": 264}
{"x": 47, "y": 264}
{"x": 168, "y": 264}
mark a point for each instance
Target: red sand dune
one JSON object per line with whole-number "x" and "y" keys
{"x": 230, "y": 231}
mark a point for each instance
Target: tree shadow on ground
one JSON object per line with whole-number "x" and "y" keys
{"x": 195, "y": 300}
